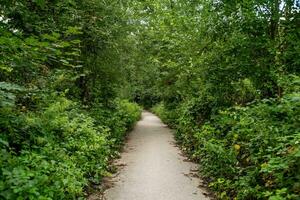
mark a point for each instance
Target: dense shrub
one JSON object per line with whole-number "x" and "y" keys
{"x": 120, "y": 118}
{"x": 250, "y": 152}
{"x": 253, "y": 150}
{"x": 60, "y": 147}
{"x": 167, "y": 116}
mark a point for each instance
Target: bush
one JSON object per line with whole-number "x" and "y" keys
{"x": 250, "y": 152}
{"x": 260, "y": 144}
{"x": 60, "y": 147}
{"x": 119, "y": 118}
{"x": 167, "y": 116}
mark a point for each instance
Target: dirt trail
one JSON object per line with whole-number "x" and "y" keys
{"x": 154, "y": 168}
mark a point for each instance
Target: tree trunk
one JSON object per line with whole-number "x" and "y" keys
{"x": 275, "y": 16}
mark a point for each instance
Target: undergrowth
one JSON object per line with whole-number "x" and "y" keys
{"x": 55, "y": 152}
{"x": 245, "y": 152}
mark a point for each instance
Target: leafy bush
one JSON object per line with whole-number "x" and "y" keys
{"x": 60, "y": 147}
{"x": 120, "y": 118}
{"x": 250, "y": 152}
{"x": 168, "y": 116}
{"x": 265, "y": 140}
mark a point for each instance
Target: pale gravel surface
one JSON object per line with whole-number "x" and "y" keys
{"x": 154, "y": 168}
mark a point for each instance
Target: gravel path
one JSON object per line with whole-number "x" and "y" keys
{"x": 153, "y": 167}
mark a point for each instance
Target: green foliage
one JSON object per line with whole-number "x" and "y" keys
{"x": 247, "y": 152}
{"x": 60, "y": 146}
{"x": 263, "y": 141}
{"x": 7, "y": 94}
{"x": 224, "y": 73}
{"x": 61, "y": 117}
{"x": 119, "y": 120}
{"x": 227, "y": 78}
{"x": 167, "y": 116}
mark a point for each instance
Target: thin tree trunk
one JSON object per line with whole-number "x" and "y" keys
{"x": 275, "y": 16}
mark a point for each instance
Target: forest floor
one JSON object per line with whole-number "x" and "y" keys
{"x": 152, "y": 167}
